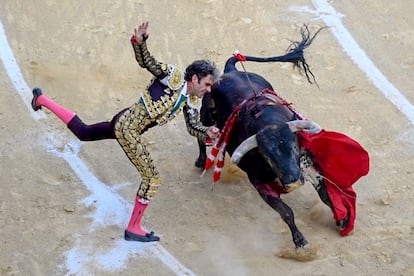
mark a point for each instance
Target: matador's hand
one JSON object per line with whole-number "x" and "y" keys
{"x": 141, "y": 33}
{"x": 213, "y": 132}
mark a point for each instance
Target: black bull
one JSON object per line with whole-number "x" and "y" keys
{"x": 273, "y": 164}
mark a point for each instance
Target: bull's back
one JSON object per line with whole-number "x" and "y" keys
{"x": 232, "y": 89}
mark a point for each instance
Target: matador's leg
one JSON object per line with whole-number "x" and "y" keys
{"x": 128, "y": 129}
{"x": 84, "y": 132}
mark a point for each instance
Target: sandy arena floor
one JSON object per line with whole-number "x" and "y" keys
{"x": 64, "y": 204}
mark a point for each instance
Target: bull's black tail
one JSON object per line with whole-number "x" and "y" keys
{"x": 294, "y": 55}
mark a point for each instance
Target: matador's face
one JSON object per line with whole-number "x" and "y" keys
{"x": 201, "y": 86}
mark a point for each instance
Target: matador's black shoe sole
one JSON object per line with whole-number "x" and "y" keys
{"x": 36, "y": 93}
{"x": 149, "y": 237}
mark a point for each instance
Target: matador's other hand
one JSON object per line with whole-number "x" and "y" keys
{"x": 213, "y": 132}
{"x": 141, "y": 33}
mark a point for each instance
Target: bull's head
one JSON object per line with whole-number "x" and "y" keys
{"x": 279, "y": 147}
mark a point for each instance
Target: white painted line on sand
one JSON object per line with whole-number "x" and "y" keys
{"x": 15, "y": 75}
{"x": 333, "y": 19}
{"x": 110, "y": 207}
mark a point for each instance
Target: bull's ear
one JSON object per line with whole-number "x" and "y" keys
{"x": 247, "y": 145}
{"x": 307, "y": 126}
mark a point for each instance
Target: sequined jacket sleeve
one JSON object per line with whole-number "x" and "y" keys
{"x": 192, "y": 121}
{"x": 145, "y": 60}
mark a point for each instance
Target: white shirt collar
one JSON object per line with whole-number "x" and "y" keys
{"x": 184, "y": 90}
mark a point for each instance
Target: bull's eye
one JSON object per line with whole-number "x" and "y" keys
{"x": 282, "y": 147}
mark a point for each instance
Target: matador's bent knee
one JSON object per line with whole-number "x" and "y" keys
{"x": 128, "y": 130}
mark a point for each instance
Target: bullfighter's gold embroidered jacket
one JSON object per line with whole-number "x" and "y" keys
{"x": 166, "y": 94}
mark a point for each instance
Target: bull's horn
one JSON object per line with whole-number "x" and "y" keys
{"x": 248, "y": 144}
{"x": 304, "y": 125}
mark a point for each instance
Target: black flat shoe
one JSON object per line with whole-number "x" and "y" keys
{"x": 149, "y": 237}
{"x": 36, "y": 93}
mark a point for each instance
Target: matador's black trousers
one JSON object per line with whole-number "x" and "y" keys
{"x": 126, "y": 127}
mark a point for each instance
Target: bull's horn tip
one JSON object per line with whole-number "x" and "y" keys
{"x": 235, "y": 159}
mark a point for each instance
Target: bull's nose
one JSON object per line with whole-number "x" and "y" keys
{"x": 291, "y": 178}
{"x": 293, "y": 186}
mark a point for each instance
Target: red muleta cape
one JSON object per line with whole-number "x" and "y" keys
{"x": 342, "y": 161}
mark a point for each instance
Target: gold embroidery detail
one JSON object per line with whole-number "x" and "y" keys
{"x": 128, "y": 130}
{"x": 176, "y": 78}
{"x": 160, "y": 109}
{"x": 194, "y": 102}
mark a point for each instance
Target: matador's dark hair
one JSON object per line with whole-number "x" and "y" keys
{"x": 201, "y": 68}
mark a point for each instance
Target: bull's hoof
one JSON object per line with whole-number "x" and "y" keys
{"x": 200, "y": 163}
{"x": 303, "y": 254}
{"x": 343, "y": 223}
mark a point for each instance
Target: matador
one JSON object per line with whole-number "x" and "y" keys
{"x": 169, "y": 92}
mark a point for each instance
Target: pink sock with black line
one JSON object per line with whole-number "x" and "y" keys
{"x": 62, "y": 113}
{"x": 134, "y": 225}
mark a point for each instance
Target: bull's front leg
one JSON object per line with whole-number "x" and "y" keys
{"x": 312, "y": 173}
{"x": 288, "y": 217}
{"x": 207, "y": 118}
{"x": 202, "y": 156}
{"x": 303, "y": 251}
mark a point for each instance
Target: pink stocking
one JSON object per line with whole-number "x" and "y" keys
{"x": 62, "y": 113}
{"x": 134, "y": 225}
